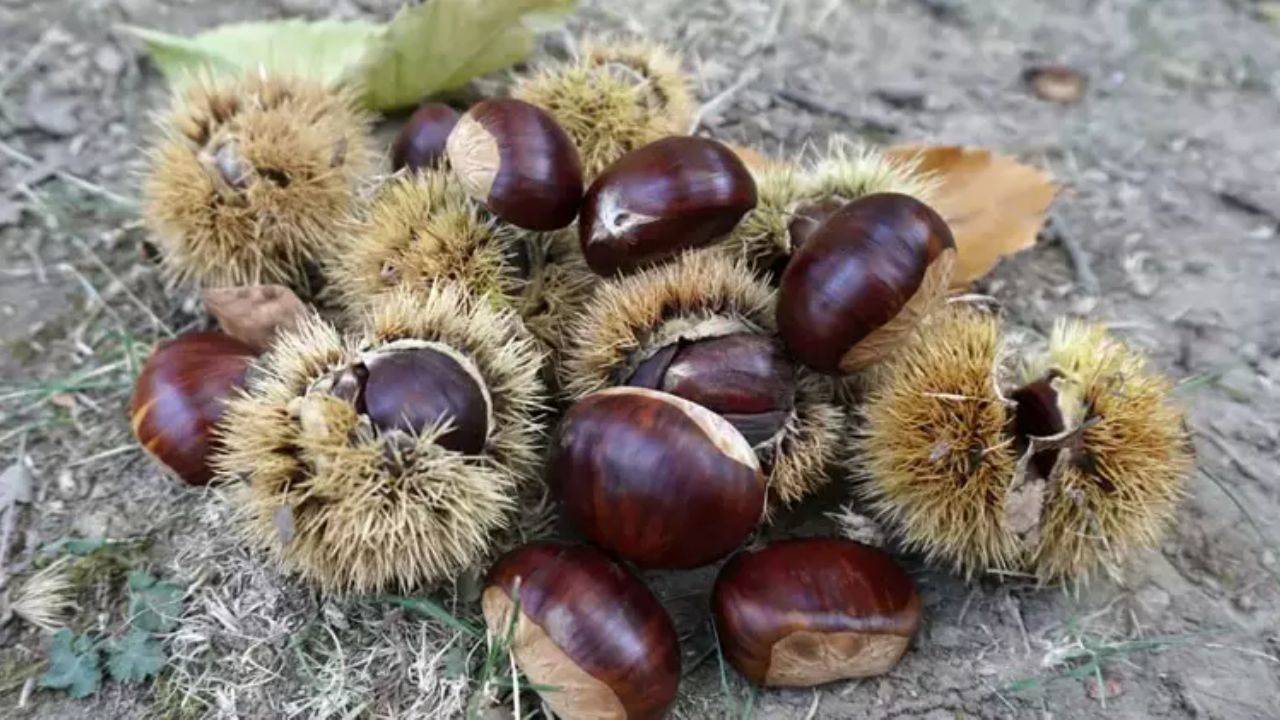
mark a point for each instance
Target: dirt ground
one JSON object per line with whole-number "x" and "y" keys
{"x": 1166, "y": 228}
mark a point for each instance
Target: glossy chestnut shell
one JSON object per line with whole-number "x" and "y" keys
{"x": 515, "y": 158}
{"x": 809, "y": 611}
{"x": 180, "y": 396}
{"x": 655, "y": 478}
{"x": 670, "y": 195}
{"x": 421, "y": 141}
{"x": 586, "y": 627}
{"x": 862, "y": 280}
{"x": 745, "y": 377}
{"x": 415, "y": 389}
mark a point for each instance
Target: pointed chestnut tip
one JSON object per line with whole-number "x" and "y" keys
{"x": 671, "y": 195}
{"x": 517, "y": 160}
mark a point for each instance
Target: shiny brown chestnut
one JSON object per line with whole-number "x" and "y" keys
{"x": 587, "y": 628}
{"x": 808, "y": 611}
{"x": 416, "y": 386}
{"x": 180, "y": 395}
{"x": 655, "y": 478}
{"x": 670, "y": 195}
{"x": 421, "y": 141}
{"x": 515, "y": 158}
{"x": 862, "y": 280}
{"x": 743, "y": 376}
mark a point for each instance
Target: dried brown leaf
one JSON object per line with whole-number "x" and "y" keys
{"x": 1056, "y": 83}
{"x": 254, "y": 314}
{"x": 994, "y": 204}
{"x": 756, "y": 161}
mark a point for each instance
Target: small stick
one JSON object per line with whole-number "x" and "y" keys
{"x": 724, "y": 95}
{"x": 1079, "y": 258}
{"x": 65, "y": 176}
{"x": 128, "y": 293}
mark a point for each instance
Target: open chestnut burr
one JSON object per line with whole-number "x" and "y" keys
{"x": 583, "y": 626}
{"x": 655, "y": 478}
{"x": 393, "y": 456}
{"x": 861, "y": 282}
{"x": 702, "y": 329}
{"x": 180, "y": 396}
{"x": 809, "y": 611}
{"x": 671, "y": 195}
{"x": 515, "y": 158}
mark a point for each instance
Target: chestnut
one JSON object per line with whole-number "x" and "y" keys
{"x": 743, "y": 376}
{"x": 667, "y": 196}
{"x": 808, "y": 611}
{"x": 859, "y": 284}
{"x": 515, "y": 158}
{"x": 416, "y": 386}
{"x": 180, "y": 396}
{"x": 587, "y": 628}
{"x": 655, "y": 478}
{"x": 421, "y": 141}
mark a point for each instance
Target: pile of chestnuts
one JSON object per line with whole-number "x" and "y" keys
{"x": 735, "y": 304}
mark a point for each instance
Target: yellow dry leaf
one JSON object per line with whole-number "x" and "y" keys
{"x": 994, "y": 204}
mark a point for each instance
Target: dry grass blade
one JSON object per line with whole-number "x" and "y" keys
{"x": 46, "y": 597}
{"x": 994, "y": 204}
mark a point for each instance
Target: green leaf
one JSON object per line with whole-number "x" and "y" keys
{"x": 441, "y": 44}
{"x": 134, "y": 657}
{"x": 324, "y": 50}
{"x": 153, "y": 606}
{"x": 73, "y": 665}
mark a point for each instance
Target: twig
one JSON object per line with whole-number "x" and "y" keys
{"x": 1234, "y": 457}
{"x": 155, "y": 319}
{"x": 67, "y": 177}
{"x": 722, "y": 97}
{"x": 1079, "y": 258}
{"x": 813, "y": 104}
{"x": 28, "y": 60}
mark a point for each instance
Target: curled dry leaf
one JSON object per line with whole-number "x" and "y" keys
{"x": 254, "y": 314}
{"x": 1055, "y": 83}
{"x": 994, "y": 205}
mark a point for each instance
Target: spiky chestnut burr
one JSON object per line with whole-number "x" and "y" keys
{"x": 956, "y": 462}
{"x": 634, "y": 330}
{"x": 796, "y": 197}
{"x": 180, "y": 396}
{"x": 360, "y": 477}
{"x": 862, "y": 281}
{"x": 656, "y": 479}
{"x": 419, "y": 229}
{"x": 809, "y": 611}
{"x": 421, "y": 142}
{"x": 616, "y": 95}
{"x": 515, "y": 158}
{"x": 249, "y": 178}
{"x": 622, "y": 663}
{"x": 669, "y": 196}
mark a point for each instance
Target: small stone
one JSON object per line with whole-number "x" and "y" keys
{"x": 66, "y": 484}
{"x": 108, "y": 59}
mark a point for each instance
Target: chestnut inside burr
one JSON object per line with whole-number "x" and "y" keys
{"x": 414, "y": 390}
{"x": 1037, "y": 415}
{"x": 744, "y": 377}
